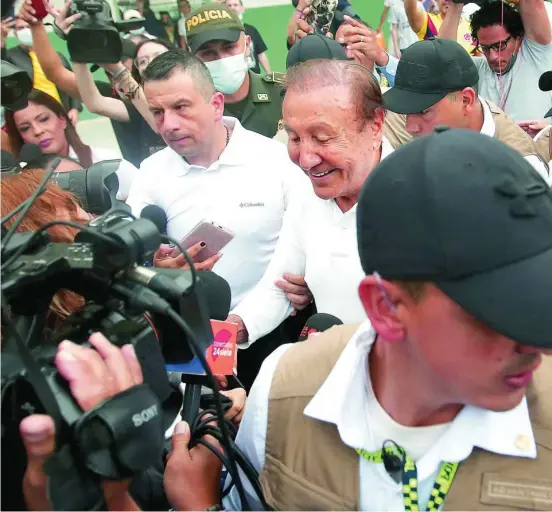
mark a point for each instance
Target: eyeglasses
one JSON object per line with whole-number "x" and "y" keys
{"x": 142, "y": 62}
{"x": 500, "y": 46}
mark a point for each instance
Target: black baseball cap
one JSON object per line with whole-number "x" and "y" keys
{"x": 314, "y": 46}
{"x": 428, "y": 71}
{"x": 212, "y": 22}
{"x": 468, "y": 214}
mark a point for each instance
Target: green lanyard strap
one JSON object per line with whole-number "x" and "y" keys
{"x": 445, "y": 477}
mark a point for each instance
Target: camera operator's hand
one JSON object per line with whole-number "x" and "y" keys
{"x": 93, "y": 376}
{"x": 5, "y": 27}
{"x": 238, "y": 397}
{"x": 192, "y": 476}
{"x": 162, "y": 258}
{"x": 62, "y": 19}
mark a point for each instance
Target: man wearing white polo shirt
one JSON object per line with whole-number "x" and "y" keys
{"x": 213, "y": 169}
{"x": 334, "y": 118}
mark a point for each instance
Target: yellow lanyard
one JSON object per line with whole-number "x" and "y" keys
{"x": 447, "y": 472}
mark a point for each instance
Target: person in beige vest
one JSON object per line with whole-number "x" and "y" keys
{"x": 443, "y": 399}
{"x": 436, "y": 84}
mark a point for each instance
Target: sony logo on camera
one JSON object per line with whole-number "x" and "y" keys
{"x": 144, "y": 416}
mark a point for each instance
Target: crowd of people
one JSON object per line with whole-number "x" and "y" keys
{"x": 403, "y": 191}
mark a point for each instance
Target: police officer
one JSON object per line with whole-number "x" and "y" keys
{"x": 216, "y": 35}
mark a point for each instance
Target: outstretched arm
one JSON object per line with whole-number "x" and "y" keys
{"x": 112, "y": 108}
{"x": 416, "y": 14}
{"x": 535, "y": 21}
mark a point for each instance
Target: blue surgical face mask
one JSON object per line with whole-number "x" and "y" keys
{"x": 138, "y": 31}
{"x": 228, "y": 73}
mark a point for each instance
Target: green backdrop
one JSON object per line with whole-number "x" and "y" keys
{"x": 271, "y": 23}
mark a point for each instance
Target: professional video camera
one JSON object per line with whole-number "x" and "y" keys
{"x": 94, "y": 38}
{"x": 96, "y": 188}
{"x": 16, "y": 86}
{"x": 476, "y": 2}
{"x": 123, "y": 435}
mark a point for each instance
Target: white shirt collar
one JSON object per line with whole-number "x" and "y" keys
{"x": 489, "y": 126}
{"x": 341, "y": 400}
{"x": 386, "y": 148}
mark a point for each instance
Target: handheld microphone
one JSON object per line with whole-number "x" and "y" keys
{"x": 545, "y": 81}
{"x": 9, "y": 162}
{"x": 31, "y": 154}
{"x": 317, "y": 323}
{"x": 156, "y": 215}
{"x": 393, "y": 459}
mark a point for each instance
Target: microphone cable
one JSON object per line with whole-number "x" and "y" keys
{"x": 155, "y": 302}
{"x": 205, "y": 425}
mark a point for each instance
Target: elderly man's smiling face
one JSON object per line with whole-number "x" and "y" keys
{"x": 331, "y": 141}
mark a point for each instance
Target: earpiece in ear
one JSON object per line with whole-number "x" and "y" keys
{"x": 383, "y": 292}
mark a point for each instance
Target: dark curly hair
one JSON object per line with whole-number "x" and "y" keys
{"x": 491, "y": 13}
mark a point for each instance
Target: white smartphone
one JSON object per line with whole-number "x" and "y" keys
{"x": 214, "y": 235}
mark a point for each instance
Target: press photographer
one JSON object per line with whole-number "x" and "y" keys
{"x": 54, "y": 205}
{"x": 94, "y": 441}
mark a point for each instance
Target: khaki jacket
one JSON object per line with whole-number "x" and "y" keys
{"x": 307, "y": 466}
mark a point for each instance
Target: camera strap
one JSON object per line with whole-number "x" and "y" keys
{"x": 122, "y": 435}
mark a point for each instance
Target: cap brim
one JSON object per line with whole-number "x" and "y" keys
{"x": 513, "y": 300}
{"x": 227, "y": 34}
{"x": 402, "y": 101}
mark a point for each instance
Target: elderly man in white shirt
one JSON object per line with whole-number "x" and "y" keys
{"x": 334, "y": 118}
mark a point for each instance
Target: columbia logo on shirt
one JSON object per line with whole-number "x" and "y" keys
{"x": 250, "y": 205}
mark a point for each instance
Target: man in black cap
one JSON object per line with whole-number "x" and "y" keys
{"x": 436, "y": 84}
{"x": 216, "y": 35}
{"x": 314, "y": 46}
{"x": 445, "y": 396}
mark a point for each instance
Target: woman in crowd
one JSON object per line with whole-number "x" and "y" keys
{"x": 132, "y": 109}
{"x": 44, "y": 122}
{"x": 139, "y": 119}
